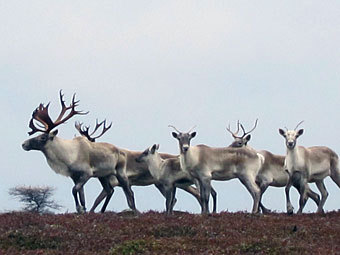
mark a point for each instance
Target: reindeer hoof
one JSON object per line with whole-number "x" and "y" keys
{"x": 266, "y": 211}
{"x": 81, "y": 209}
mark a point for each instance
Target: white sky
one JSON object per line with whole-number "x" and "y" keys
{"x": 144, "y": 66}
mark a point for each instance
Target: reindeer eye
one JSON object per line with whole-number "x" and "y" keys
{"x": 43, "y": 138}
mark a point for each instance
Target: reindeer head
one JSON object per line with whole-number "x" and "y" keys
{"x": 41, "y": 116}
{"x": 240, "y": 141}
{"x": 291, "y": 136}
{"x": 183, "y": 138}
{"x": 148, "y": 154}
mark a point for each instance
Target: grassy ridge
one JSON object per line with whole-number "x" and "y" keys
{"x": 183, "y": 233}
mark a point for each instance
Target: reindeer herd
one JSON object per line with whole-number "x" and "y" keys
{"x": 192, "y": 170}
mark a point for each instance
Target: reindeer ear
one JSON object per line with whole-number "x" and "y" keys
{"x": 153, "y": 148}
{"x": 174, "y": 134}
{"x": 247, "y": 138}
{"x": 282, "y": 132}
{"x": 193, "y": 134}
{"x": 157, "y": 148}
{"x": 53, "y": 134}
{"x": 300, "y": 132}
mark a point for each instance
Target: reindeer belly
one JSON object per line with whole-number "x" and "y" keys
{"x": 319, "y": 175}
{"x": 319, "y": 171}
{"x": 223, "y": 174}
{"x": 103, "y": 169}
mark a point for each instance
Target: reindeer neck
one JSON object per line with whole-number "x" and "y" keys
{"x": 292, "y": 158}
{"x": 61, "y": 154}
{"x": 156, "y": 166}
{"x": 189, "y": 159}
{"x": 293, "y": 152}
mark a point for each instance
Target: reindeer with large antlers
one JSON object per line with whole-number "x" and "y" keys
{"x": 78, "y": 158}
{"x": 312, "y": 164}
{"x": 272, "y": 172}
{"x": 206, "y": 163}
{"x": 137, "y": 171}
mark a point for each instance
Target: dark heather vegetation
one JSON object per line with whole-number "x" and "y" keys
{"x": 156, "y": 233}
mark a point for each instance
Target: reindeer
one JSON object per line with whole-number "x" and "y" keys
{"x": 168, "y": 174}
{"x": 78, "y": 158}
{"x": 138, "y": 174}
{"x": 312, "y": 164}
{"x": 272, "y": 172}
{"x": 206, "y": 163}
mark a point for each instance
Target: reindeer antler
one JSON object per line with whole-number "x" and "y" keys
{"x": 246, "y": 133}
{"x": 192, "y": 129}
{"x": 234, "y": 134}
{"x": 180, "y": 131}
{"x": 298, "y": 124}
{"x": 41, "y": 115}
{"x": 174, "y": 128}
{"x": 243, "y": 129}
{"x": 85, "y": 131}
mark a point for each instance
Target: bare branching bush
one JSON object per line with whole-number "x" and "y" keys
{"x": 36, "y": 199}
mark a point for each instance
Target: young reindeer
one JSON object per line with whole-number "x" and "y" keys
{"x": 312, "y": 164}
{"x": 272, "y": 172}
{"x": 137, "y": 172}
{"x": 206, "y": 163}
{"x": 168, "y": 174}
{"x": 78, "y": 158}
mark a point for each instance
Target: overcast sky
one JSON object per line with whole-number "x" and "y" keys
{"x": 146, "y": 64}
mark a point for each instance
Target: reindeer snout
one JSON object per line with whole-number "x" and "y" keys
{"x": 290, "y": 144}
{"x": 185, "y": 148}
{"x": 25, "y": 146}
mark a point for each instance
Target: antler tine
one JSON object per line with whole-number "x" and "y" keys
{"x": 104, "y": 128}
{"x": 192, "y": 129}
{"x": 73, "y": 112}
{"x": 83, "y": 131}
{"x": 298, "y": 124}
{"x": 253, "y": 127}
{"x": 97, "y": 126}
{"x": 41, "y": 115}
{"x": 234, "y": 134}
{"x": 34, "y": 128}
{"x": 244, "y": 131}
{"x": 175, "y": 128}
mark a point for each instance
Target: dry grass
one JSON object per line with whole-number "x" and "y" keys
{"x": 156, "y": 233}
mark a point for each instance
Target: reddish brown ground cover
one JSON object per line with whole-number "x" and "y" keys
{"x": 183, "y": 233}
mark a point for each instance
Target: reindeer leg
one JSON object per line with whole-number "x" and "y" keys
{"x": 254, "y": 190}
{"x": 324, "y": 195}
{"x": 301, "y": 183}
{"x": 290, "y": 208}
{"x": 314, "y": 196}
{"x": 191, "y": 190}
{"x": 79, "y": 180}
{"x": 205, "y": 190}
{"x": 263, "y": 188}
{"x": 98, "y": 200}
{"x": 170, "y": 191}
{"x": 173, "y": 196}
{"x": 109, "y": 192}
{"x": 124, "y": 183}
{"x": 101, "y": 196}
{"x": 214, "y": 196}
